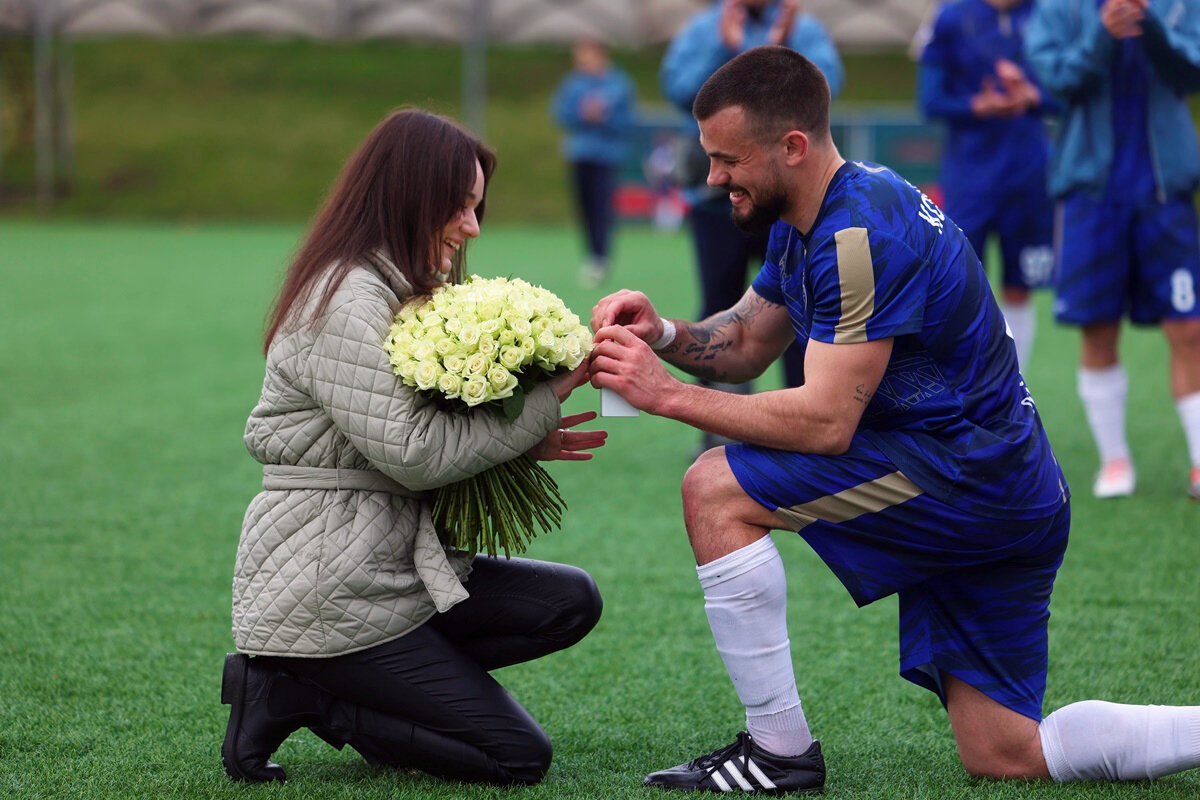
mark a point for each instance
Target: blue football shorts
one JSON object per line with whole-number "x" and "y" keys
{"x": 1022, "y": 219}
{"x": 1140, "y": 260}
{"x": 974, "y": 592}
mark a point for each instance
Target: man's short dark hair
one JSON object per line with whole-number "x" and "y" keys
{"x": 779, "y": 89}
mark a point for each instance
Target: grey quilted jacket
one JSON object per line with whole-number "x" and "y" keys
{"x": 338, "y": 552}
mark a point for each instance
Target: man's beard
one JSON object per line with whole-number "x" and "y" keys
{"x": 763, "y": 214}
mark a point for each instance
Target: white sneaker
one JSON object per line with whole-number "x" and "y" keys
{"x": 1116, "y": 479}
{"x": 1194, "y": 484}
{"x": 592, "y": 275}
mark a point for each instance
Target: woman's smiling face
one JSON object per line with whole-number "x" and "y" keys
{"x": 462, "y": 226}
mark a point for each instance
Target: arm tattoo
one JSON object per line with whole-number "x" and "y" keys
{"x": 713, "y": 336}
{"x": 861, "y": 395}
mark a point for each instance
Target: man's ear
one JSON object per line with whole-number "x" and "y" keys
{"x": 795, "y": 147}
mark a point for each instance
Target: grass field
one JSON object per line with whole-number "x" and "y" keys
{"x": 129, "y": 359}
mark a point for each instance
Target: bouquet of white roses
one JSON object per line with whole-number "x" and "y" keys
{"x": 484, "y": 342}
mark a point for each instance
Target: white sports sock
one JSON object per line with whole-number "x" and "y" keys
{"x": 1103, "y": 392}
{"x": 1189, "y": 414}
{"x": 745, "y": 598}
{"x": 1022, "y": 322}
{"x": 1096, "y": 740}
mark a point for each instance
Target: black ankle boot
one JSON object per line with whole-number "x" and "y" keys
{"x": 257, "y": 728}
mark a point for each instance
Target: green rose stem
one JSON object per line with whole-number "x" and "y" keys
{"x": 497, "y": 509}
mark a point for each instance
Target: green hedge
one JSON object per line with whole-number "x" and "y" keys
{"x": 236, "y": 129}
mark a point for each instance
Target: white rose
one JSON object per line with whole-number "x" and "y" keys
{"x": 470, "y": 333}
{"x": 476, "y": 390}
{"x": 488, "y": 346}
{"x": 450, "y": 385}
{"x": 503, "y": 382}
{"x": 427, "y": 374}
{"x": 521, "y": 326}
{"x": 424, "y": 350}
{"x": 511, "y": 357}
{"x": 455, "y": 362}
{"x": 477, "y": 364}
{"x": 572, "y": 345}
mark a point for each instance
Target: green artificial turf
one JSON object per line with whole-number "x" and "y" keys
{"x": 129, "y": 359}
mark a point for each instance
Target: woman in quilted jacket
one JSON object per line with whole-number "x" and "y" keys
{"x": 350, "y": 617}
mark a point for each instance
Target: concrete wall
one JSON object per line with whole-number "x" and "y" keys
{"x": 853, "y": 23}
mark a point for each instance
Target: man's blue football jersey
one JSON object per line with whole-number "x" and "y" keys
{"x": 952, "y": 411}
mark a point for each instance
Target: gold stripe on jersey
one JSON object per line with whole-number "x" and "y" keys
{"x": 866, "y": 498}
{"x": 857, "y": 277}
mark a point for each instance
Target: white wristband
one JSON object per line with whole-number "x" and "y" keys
{"x": 667, "y": 337}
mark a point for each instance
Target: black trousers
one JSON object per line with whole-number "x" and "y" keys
{"x": 724, "y": 254}
{"x": 426, "y": 700}
{"x": 595, "y": 187}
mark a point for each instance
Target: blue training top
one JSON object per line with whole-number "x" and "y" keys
{"x": 952, "y": 411}
{"x": 603, "y": 140}
{"x": 1131, "y": 180}
{"x": 968, "y": 37}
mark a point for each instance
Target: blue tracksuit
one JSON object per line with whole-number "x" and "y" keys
{"x": 1073, "y": 55}
{"x": 993, "y": 170}
{"x": 604, "y": 141}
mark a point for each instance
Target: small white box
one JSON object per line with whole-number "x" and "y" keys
{"x": 613, "y": 405}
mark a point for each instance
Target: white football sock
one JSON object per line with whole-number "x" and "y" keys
{"x": 1103, "y": 392}
{"x": 745, "y": 598}
{"x": 1022, "y": 321}
{"x": 1189, "y": 414}
{"x": 1096, "y": 740}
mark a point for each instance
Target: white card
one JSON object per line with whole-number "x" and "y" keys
{"x": 613, "y": 405}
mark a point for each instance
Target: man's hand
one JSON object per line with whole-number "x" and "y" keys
{"x": 633, "y": 310}
{"x": 733, "y": 24}
{"x": 788, "y": 9}
{"x": 1123, "y": 18}
{"x": 990, "y": 102}
{"x": 593, "y": 108}
{"x": 563, "y": 444}
{"x": 622, "y": 362}
{"x": 1017, "y": 85}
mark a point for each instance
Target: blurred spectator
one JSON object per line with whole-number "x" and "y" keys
{"x": 594, "y": 104}
{"x": 659, "y": 168}
{"x": 707, "y": 41}
{"x": 974, "y": 77}
{"x": 1124, "y": 171}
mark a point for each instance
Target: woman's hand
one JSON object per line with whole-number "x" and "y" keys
{"x": 564, "y": 444}
{"x": 568, "y": 382}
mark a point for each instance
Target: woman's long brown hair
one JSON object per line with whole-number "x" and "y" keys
{"x": 406, "y": 181}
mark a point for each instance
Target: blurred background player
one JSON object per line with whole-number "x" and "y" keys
{"x": 595, "y": 105}
{"x": 1124, "y": 172}
{"x": 974, "y": 77}
{"x": 705, "y": 42}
